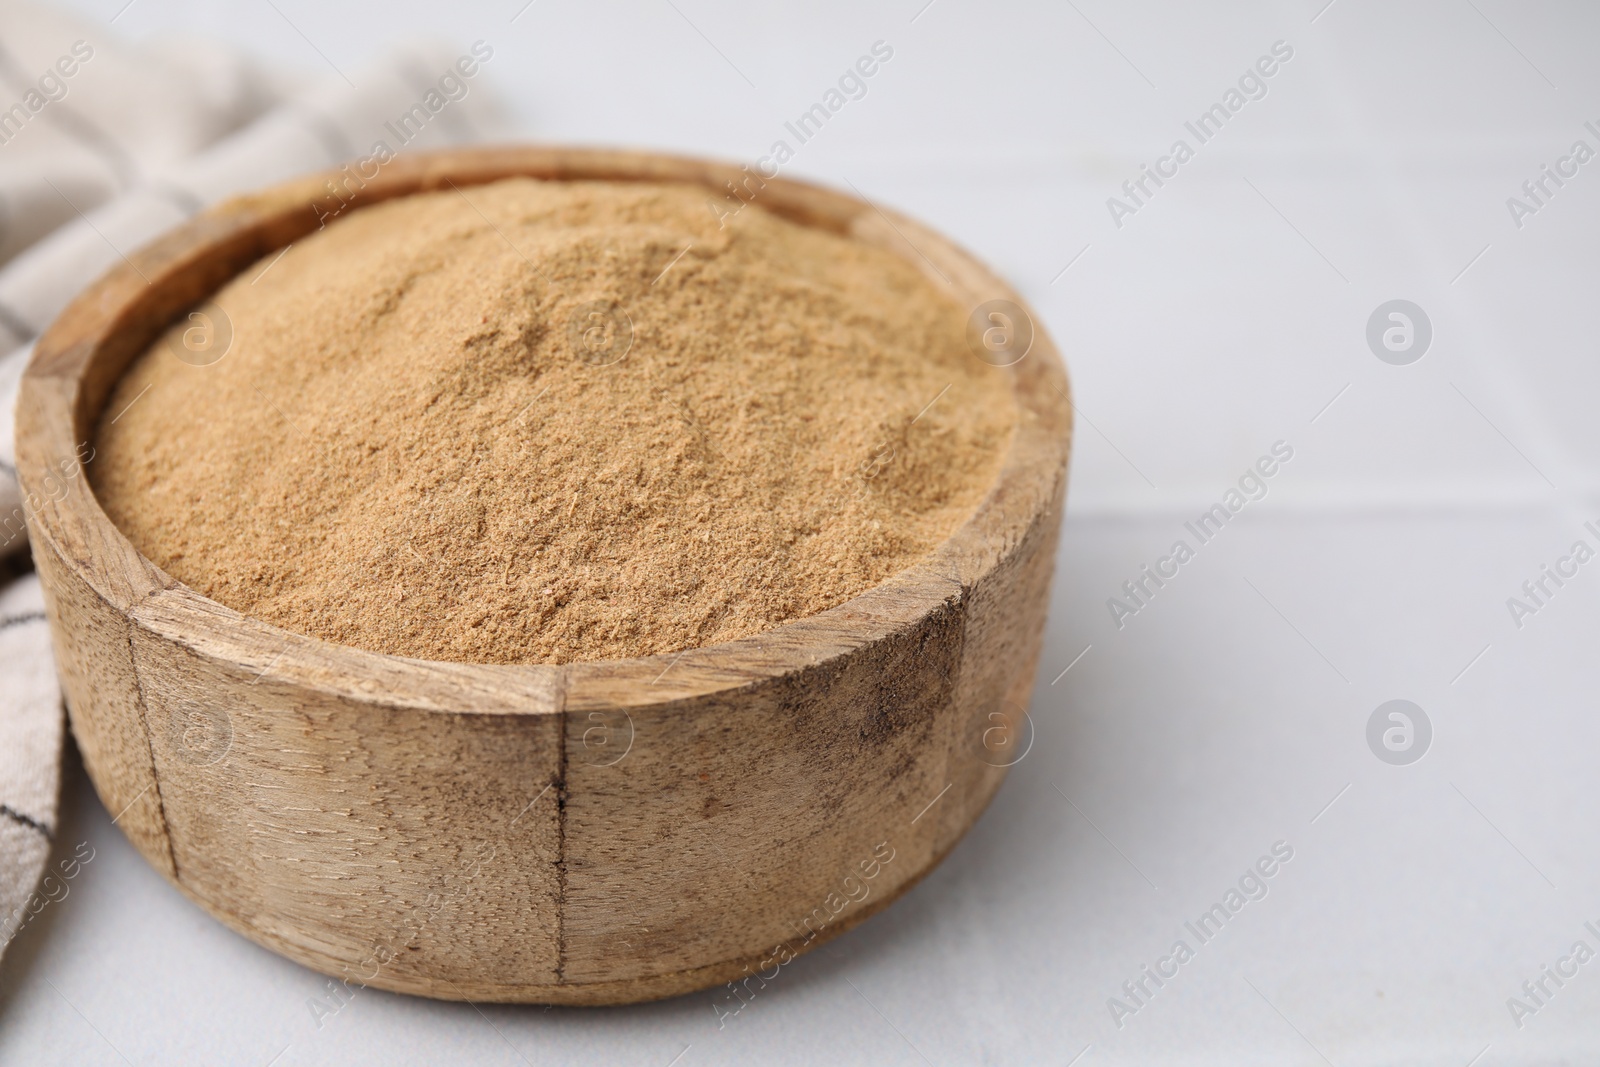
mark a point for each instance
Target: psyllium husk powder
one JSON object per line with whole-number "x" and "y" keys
{"x": 555, "y": 421}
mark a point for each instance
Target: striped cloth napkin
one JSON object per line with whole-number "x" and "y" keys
{"x": 103, "y": 146}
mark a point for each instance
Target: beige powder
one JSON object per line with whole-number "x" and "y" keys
{"x": 409, "y": 449}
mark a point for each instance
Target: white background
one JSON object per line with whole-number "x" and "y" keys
{"x": 1224, "y": 316}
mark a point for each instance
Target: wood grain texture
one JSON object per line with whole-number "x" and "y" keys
{"x": 594, "y": 833}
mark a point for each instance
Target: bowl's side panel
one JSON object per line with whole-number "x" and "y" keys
{"x": 1006, "y": 609}
{"x": 88, "y": 623}
{"x": 400, "y": 847}
{"x": 1005, "y": 556}
{"x": 751, "y": 824}
{"x": 94, "y": 660}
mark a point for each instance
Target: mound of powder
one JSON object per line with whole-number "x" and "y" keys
{"x": 550, "y": 421}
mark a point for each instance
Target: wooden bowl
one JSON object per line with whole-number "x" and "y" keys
{"x": 594, "y": 833}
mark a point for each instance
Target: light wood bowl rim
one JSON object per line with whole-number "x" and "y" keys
{"x": 61, "y": 401}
